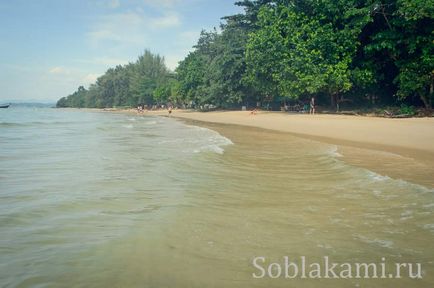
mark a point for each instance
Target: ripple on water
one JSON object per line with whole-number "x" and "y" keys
{"x": 127, "y": 199}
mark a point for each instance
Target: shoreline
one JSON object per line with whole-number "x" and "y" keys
{"x": 398, "y": 148}
{"x": 406, "y": 136}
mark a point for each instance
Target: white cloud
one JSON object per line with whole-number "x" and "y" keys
{"x": 172, "y": 61}
{"x": 171, "y": 5}
{"x": 180, "y": 48}
{"x": 90, "y": 78}
{"x": 155, "y": 25}
{"x": 171, "y": 19}
{"x": 161, "y": 3}
{"x": 47, "y": 83}
{"x": 105, "y": 61}
{"x": 14, "y": 67}
{"x": 133, "y": 27}
{"x": 122, "y": 27}
{"x": 113, "y": 4}
{"x": 59, "y": 70}
{"x": 99, "y": 35}
{"x": 68, "y": 76}
{"x": 189, "y": 37}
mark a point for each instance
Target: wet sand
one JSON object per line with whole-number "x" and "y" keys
{"x": 398, "y": 148}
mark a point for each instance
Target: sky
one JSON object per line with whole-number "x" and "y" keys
{"x": 50, "y": 47}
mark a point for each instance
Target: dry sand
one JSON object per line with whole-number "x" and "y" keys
{"x": 413, "y": 134}
{"x": 401, "y": 148}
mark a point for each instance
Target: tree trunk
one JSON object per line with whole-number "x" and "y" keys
{"x": 338, "y": 101}
{"x": 427, "y": 99}
{"x": 426, "y": 102}
{"x": 431, "y": 92}
{"x": 333, "y": 101}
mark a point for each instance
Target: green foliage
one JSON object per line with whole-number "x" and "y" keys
{"x": 212, "y": 74}
{"x": 294, "y": 53}
{"x": 402, "y": 41}
{"x": 407, "y": 110}
{"x": 77, "y": 99}
{"x": 191, "y": 74}
{"x": 127, "y": 85}
{"x": 149, "y": 72}
{"x": 167, "y": 92}
{"x": 360, "y": 51}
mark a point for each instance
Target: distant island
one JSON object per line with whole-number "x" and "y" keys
{"x": 345, "y": 54}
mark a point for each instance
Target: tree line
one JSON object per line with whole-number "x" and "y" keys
{"x": 343, "y": 52}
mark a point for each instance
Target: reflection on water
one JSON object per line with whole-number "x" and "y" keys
{"x": 102, "y": 200}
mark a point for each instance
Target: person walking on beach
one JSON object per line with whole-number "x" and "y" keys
{"x": 312, "y": 106}
{"x": 170, "y": 110}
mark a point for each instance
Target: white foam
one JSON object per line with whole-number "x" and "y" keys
{"x": 192, "y": 139}
{"x": 209, "y": 140}
{"x": 151, "y": 122}
{"x": 380, "y": 242}
{"x": 377, "y": 192}
{"x": 334, "y": 152}
{"x": 407, "y": 214}
{"x": 377, "y": 177}
{"x": 429, "y": 227}
{"x": 210, "y": 148}
{"x": 324, "y": 246}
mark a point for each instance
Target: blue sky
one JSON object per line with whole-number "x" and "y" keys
{"x": 50, "y": 47}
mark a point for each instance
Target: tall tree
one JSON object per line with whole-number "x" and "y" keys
{"x": 149, "y": 72}
{"x": 296, "y": 52}
{"x": 401, "y": 42}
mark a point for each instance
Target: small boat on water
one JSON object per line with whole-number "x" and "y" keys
{"x": 5, "y": 106}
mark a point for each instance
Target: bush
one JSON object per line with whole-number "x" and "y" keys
{"x": 407, "y": 110}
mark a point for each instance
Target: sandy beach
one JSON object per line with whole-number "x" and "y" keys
{"x": 409, "y": 136}
{"x": 400, "y": 148}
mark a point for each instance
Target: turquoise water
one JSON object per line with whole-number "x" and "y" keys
{"x": 93, "y": 199}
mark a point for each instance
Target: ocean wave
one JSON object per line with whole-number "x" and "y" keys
{"x": 151, "y": 122}
{"x": 429, "y": 227}
{"x": 211, "y": 142}
{"x": 210, "y": 148}
{"x": 379, "y": 242}
{"x": 407, "y": 214}
{"x": 189, "y": 139}
{"x": 128, "y": 126}
{"x": 193, "y": 139}
{"x": 33, "y": 123}
{"x": 377, "y": 177}
{"x": 12, "y": 124}
{"x": 334, "y": 152}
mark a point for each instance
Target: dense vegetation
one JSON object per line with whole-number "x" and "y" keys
{"x": 343, "y": 52}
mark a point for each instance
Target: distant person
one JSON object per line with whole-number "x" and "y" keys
{"x": 253, "y": 112}
{"x": 312, "y": 106}
{"x": 170, "y": 110}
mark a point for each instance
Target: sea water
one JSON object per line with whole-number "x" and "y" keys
{"x": 96, "y": 199}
